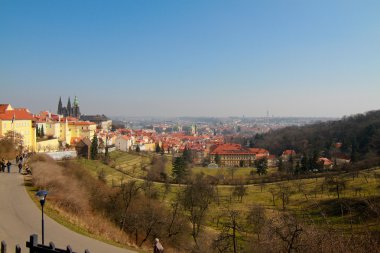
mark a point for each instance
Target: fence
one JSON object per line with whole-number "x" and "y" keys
{"x": 62, "y": 155}
{"x": 34, "y": 247}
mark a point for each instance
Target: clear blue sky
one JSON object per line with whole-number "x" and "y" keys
{"x": 192, "y": 58}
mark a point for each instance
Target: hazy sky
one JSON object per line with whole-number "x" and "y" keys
{"x": 192, "y": 58}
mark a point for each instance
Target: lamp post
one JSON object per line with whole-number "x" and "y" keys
{"x": 42, "y": 196}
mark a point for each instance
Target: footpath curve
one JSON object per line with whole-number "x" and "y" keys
{"x": 20, "y": 217}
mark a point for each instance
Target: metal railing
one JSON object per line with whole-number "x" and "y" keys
{"x": 34, "y": 247}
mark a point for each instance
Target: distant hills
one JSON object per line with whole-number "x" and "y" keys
{"x": 356, "y": 136}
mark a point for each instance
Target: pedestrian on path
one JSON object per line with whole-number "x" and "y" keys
{"x": 157, "y": 246}
{"x": 9, "y": 166}
{"x": 19, "y": 167}
{"x": 2, "y": 165}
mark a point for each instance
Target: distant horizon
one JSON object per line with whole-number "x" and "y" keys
{"x": 54, "y": 111}
{"x": 223, "y": 117}
{"x": 171, "y": 58}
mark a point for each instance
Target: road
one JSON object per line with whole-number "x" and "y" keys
{"x": 20, "y": 217}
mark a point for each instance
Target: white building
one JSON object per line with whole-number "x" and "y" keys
{"x": 124, "y": 142}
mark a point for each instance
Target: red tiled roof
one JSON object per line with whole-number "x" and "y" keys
{"x": 17, "y": 113}
{"x": 69, "y": 119}
{"x": 325, "y": 161}
{"x": 235, "y": 149}
{"x": 75, "y": 139}
{"x": 4, "y": 107}
{"x": 125, "y": 137}
{"x": 259, "y": 150}
{"x": 82, "y": 123}
{"x": 261, "y": 156}
{"x": 289, "y": 152}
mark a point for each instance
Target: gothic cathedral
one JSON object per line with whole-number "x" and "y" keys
{"x": 69, "y": 111}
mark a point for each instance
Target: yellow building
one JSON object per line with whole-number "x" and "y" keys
{"x": 19, "y": 120}
{"x": 82, "y": 129}
{"x": 65, "y": 129}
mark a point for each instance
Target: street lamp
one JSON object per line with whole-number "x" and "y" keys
{"x": 42, "y": 196}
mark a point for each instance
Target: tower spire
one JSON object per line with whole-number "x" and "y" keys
{"x": 59, "y": 111}
{"x": 69, "y": 110}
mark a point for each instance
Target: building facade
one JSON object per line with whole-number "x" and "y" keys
{"x": 20, "y": 121}
{"x": 232, "y": 155}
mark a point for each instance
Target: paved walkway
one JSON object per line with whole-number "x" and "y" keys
{"x": 20, "y": 217}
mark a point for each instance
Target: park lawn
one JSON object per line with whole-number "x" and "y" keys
{"x": 256, "y": 194}
{"x": 243, "y": 173}
{"x": 95, "y": 167}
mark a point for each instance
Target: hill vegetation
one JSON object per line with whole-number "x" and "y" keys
{"x": 299, "y": 208}
{"x": 336, "y": 213}
{"x": 357, "y": 137}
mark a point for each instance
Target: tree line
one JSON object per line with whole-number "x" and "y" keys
{"x": 358, "y": 137}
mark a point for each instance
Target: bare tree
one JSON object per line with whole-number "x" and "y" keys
{"x": 239, "y": 191}
{"x": 175, "y": 220}
{"x": 289, "y": 231}
{"x": 256, "y": 219}
{"x": 227, "y": 240}
{"x": 129, "y": 191}
{"x": 284, "y": 192}
{"x": 336, "y": 184}
{"x": 196, "y": 198}
{"x": 273, "y": 192}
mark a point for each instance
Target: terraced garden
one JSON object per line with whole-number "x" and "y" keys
{"x": 302, "y": 197}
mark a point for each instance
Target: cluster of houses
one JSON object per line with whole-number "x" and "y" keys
{"x": 48, "y": 132}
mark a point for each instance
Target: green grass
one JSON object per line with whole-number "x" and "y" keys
{"x": 256, "y": 194}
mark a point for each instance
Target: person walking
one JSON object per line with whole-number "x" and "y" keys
{"x": 2, "y": 165}
{"x": 9, "y": 166}
{"x": 17, "y": 159}
{"x": 157, "y": 246}
{"x": 19, "y": 167}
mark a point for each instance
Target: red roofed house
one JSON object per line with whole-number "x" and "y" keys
{"x": 124, "y": 142}
{"x": 232, "y": 155}
{"x": 19, "y": 120}
{"x": 287, "y": 154}
{"x": 325, "y": 162}
{"x": 260, "y": 153}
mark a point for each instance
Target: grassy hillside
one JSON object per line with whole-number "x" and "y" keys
{"x": 263, "y": 216}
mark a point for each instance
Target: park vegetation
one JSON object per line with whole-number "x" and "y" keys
{"x": 299, "y": 206}
{"x": 334, "y": 213}
{"x": 10, "y": 145}
{"x": 359, "y": 136}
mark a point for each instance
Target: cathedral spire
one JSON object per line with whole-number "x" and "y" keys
{"x": 59, "y": 111}
{"x": 69, "y": 110}
{"x": 76, "y": 111}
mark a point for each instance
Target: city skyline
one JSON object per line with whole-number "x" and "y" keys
{"x": 196, "y": 58}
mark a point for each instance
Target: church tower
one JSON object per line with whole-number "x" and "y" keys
{"x": 59, "y": 111}
{"x": 76, "y": 110}
{"x": 68, "y": 108}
